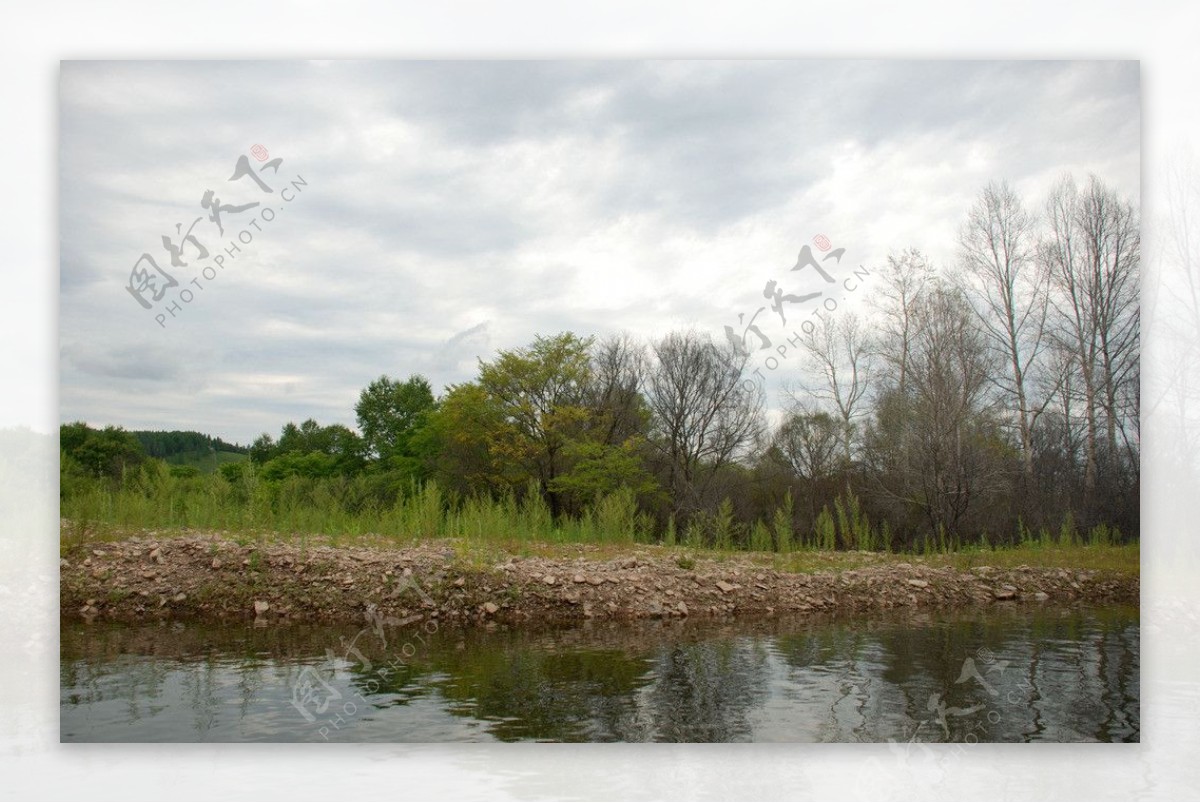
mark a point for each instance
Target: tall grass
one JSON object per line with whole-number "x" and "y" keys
{"x": 245, "y": 503}
{"x": 344, "y": 507}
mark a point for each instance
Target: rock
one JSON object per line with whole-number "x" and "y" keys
{"x": 549, "y": 580}
{"x": 460, "y": 582}
{"x": 578, "y": 579}
{"x": 156, "y": 554}
{"x": 180, "y": 597}
{"x": 595, "y": 581}
{"x": 629, "y": 563}
{"x": 490, "y": 607}
{"x": 216, "y": 564}
{"x": 726, "y": 587}
{"x": 1041, "y": 596}
{"x": 1005, "y": 592}
{"x": 919, "y": 583}
{"x": 681, "y": 608}
{"x": 261, "y": 607}
{"x": 655, "y": 608}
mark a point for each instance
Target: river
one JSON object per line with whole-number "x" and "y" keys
{"x": 1004, "y": 674}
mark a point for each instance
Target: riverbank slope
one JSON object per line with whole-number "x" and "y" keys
{"x": 145, "y": 576}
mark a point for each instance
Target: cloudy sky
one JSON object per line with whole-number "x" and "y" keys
{"x": 426, "y": 214}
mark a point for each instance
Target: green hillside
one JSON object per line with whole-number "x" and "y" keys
{"x": 188, "y": 448}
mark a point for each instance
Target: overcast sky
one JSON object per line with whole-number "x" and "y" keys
{"x": 440, "y": 211}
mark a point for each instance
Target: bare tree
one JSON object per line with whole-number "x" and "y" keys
{"x": 1112, "y": 236}
{"x": 619, "y": 367}
{"x": 809, "y": 442}
{"x": 1093, "y": 257}
{"x": 902, "y": 282}
{"x": 704, "y": 411}
{"x": 840, "y": 352}
{"x": 932, "y": 444}
{"x": 1007, "y": 286}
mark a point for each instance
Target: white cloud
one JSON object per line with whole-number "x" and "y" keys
{"x": 456, "y": 208}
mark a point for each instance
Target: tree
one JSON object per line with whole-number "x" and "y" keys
{"x": 541, "y": 392}
{"x": 935, "y": 447}
{"x": 902, "y": 283}
{"x": 704, "y": 412}
{"x": 390, "y": 411}
{"x": 108, "y": 452}
{"x": 263, "y": 449}
{"x": 310, "y": 450}
{"x": 840, "y": 351}
{"x": 1092, "y": 254}
{"x": 1007, "y": 286}
{"x": 808, "y": 443}
{"x": 614, "y": 392}
{"x": 461, "y": 435}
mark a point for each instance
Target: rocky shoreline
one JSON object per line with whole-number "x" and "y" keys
{"x": 197, "y": 577}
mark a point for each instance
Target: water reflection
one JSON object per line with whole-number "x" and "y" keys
{"x": 1046, "y": 675}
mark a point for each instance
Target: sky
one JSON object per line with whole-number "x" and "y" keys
{"x": 423, "y": 215}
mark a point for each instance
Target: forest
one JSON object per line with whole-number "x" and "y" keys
{"x": 991, "y": 401}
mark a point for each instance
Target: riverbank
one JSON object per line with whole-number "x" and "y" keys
{"x": 185, "y": 575}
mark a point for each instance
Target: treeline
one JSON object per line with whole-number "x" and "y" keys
{"x": 992, "y": 401}
{"x": 167, "y": 444}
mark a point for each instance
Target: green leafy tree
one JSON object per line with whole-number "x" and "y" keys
{"x": 460, "y": 436}
{"x": 541, "y": 392}
{"x": 108, "y": 452}
{"x": 311, "y": 450}
{"x": 263, "y": 449}
{"x": 390, "y": 413}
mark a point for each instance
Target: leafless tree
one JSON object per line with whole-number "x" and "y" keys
{"x": 1093, "y": 253}
{"x": 932, "y": 445}
{"x": 619, "y": 367}
{"x": 704, "y": 411}
{"x": 840, "y": 352}
{"x": 901, "y": 283}
{"x": 1007, "y": 286}
{"x": 809, "y": 441}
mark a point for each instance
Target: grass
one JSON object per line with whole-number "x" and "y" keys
{"x": 342, "y": 512}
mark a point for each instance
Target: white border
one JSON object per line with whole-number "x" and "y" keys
{"x": 34, "y": 37}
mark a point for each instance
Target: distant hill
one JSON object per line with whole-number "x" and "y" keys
{"x": 179, "y": 448}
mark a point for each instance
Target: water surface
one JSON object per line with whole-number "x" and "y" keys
{"x": 1001, "y": 675}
